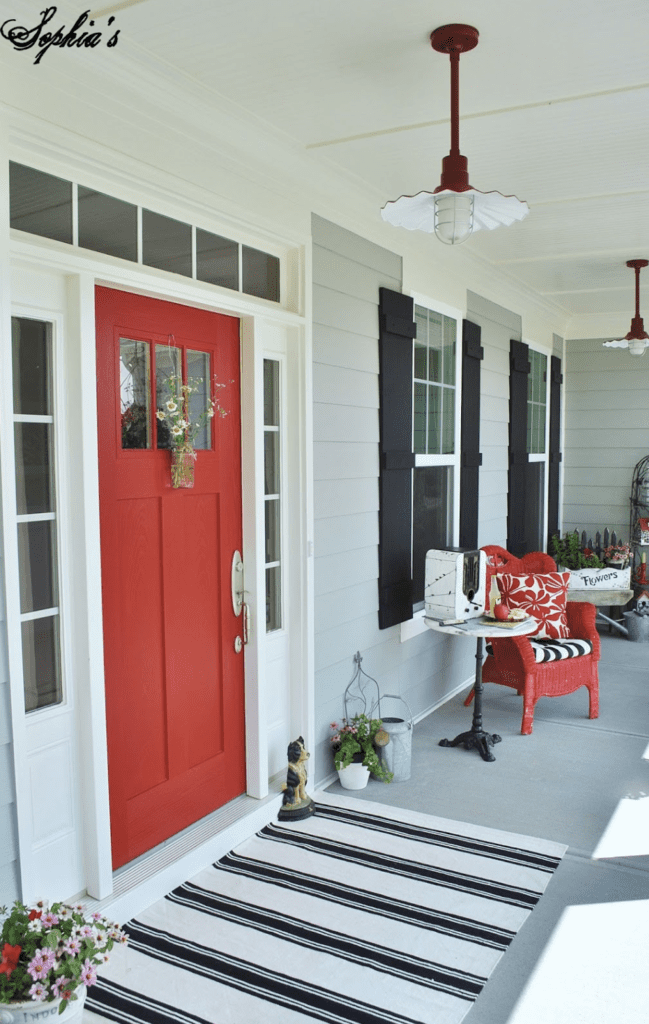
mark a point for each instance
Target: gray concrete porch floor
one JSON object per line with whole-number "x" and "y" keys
{"x": 563, "y": 783}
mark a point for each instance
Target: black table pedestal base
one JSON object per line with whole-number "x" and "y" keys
{"x": 479, "y": 740}
{"x": 476, "y": 738}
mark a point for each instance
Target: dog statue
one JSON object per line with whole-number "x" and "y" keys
{"x": 296, "y": 804}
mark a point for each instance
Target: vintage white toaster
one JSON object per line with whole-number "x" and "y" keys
{"x": 454, "y": 587}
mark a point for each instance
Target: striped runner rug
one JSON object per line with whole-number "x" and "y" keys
{"x": 361, "y": 914}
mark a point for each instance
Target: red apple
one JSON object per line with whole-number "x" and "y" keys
{"x": 501, "y": 611}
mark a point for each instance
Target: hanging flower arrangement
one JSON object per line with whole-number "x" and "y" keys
{"x": 183, "y": 425}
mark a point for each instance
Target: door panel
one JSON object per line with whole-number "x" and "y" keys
{"x": 174, "y": 684}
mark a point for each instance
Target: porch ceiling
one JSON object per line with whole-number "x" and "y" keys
{"x": 554, "y": 104}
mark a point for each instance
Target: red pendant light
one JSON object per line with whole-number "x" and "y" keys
{"x": 455, "y": 209}
{"x": 637, "y": 339}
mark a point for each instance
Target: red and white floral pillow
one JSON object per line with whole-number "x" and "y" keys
{"x": 543, "y": 596}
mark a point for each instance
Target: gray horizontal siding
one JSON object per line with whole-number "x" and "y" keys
{"x": 344, "y": 533}
{"x": 347, "y": 274}
{"x": 606, "y": 434}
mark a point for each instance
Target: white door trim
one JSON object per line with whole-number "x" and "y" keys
{"x": 83, "y": 272}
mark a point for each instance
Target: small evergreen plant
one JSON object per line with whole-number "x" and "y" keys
{"x": 567, "y": 551}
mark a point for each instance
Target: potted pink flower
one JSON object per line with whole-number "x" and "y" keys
{"x": 49, "y": 956}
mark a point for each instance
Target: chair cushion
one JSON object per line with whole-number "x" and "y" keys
{"x": 541, "y": 595}
{"x": 556, "y": 650}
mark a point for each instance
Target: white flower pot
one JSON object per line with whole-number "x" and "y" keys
{"x": 33, "y": 1012}
{"x": 354, "y": 776}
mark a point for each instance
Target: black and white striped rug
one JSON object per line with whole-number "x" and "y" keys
{"x": 361, "y": 914}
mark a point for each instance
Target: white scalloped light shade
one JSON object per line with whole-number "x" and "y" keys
{"x": 636, "y": 346}
{"x": 490, "y": 210}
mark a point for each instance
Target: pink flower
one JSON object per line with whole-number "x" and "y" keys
{"x": 96, "y": 916}
{"x": 88, "y": 973}
{"x": 38, "y": 992}
{"x": 59, "y": 987}
{"x": 72, "y": 946}
{"x": 86, "y": 932}
{"x": 37, "y": 968}
{"x": 335, "y": 739}
{"x": 49, "y": 919}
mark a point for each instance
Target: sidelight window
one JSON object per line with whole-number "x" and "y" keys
{"x": 36, "y": 512}
{"x": 272, "y": 495}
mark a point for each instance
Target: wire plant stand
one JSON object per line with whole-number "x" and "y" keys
{"x": 362, "y": 692}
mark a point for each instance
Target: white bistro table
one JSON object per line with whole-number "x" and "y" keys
{"x": 480, "y": 627}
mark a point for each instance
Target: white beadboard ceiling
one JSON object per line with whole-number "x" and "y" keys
{"x": 554, "y": 109}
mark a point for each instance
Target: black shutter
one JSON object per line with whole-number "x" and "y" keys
{"x": 396, "y": 331}
{"x": 519, "y": 368}
{"x": 471, "y": 459}
{"x": 554, "y": 451}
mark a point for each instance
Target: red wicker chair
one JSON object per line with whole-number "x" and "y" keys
{"x": 512, "y": 662}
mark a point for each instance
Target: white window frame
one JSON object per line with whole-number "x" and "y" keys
{"x": 415, "y": 626}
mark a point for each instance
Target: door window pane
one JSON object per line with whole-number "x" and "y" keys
{"x": 40, "y": 203}
{"x": 432, "y": 518}
{"x": 168, "y": 378}
{"x": 31, "y": 345}
{"x": 272, "y": 530}
{"x": 271, "y": 462}
{"x": 217, "y": 260}
{"x": 199, "y": 378}
{"x": 135, "y": 387}
{"x": 273, "y": 599}
{"x": 106, "y": 224}
{"x": 34, "y": 492}
{"x": 37, "y": 564}
{"x": 260, "y": 274}
{"x": 166, "y": 243}
{"x": 41, "y": 663}
{"x": 271, "y": 392}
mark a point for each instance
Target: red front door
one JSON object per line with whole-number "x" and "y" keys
{"x": 174, "y": 682}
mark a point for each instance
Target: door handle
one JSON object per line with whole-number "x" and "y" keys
{"x": 237, "y": 582}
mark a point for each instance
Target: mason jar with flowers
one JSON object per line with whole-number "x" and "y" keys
{"x": 354, "y": 745}
{"x": 49, "y": 957}
{"x": 178, "y": 414}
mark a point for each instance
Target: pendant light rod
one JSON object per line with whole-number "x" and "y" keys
{"x": 455, "y": 103}
{"x": 637, "y": 266}
{"x": 454, "y": 40}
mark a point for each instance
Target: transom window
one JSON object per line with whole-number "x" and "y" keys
{"x": 46, "y": 205}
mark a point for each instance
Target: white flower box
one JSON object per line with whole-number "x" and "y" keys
{"x": 599, "y": 579}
